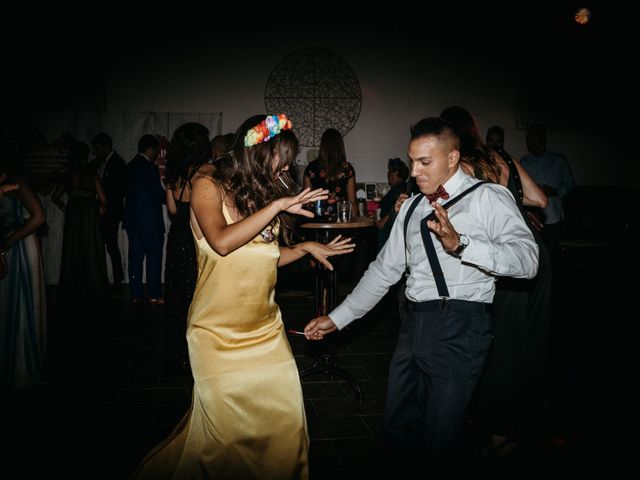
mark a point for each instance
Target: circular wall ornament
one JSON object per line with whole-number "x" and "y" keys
{"x": 317, "y": 90}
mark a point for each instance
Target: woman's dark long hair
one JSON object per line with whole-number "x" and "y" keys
{"x": 473, "y": 151}
{"x": 332, "y": 156}
{"x": 188, "y": 149}
{"x": 255, "y": 175}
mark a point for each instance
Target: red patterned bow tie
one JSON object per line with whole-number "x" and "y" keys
{"x": 439, "y": 193}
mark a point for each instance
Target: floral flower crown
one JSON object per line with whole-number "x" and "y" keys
{"x": 267, "y": 129}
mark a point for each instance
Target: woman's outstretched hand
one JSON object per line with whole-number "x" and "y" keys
{"x": 295, "y": 203}
{"x": 337, "y": 246}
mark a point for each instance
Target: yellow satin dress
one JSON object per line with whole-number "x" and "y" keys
{"x": 247, "y": 418}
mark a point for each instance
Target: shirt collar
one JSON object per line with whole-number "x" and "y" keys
{"x": 455, "y": 183}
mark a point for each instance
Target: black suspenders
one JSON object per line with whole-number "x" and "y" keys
{"x": 441, "y": 284}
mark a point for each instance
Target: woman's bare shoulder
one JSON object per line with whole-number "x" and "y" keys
{"x": 204, "y": 174}
{"x": 205, "y": 185}
{"x": 204, "y": 170}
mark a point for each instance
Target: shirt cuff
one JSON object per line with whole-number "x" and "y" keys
{"x": 341, "y": 316}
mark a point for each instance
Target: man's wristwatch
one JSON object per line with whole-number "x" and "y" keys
{"x": 463, "y": 242}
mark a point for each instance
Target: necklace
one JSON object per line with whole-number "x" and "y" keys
{"x": 267, "y": 234}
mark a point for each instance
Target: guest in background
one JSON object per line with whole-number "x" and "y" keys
{"x": 83, "y": 267}
{"x": 220, "y": 145}
{"x": 397, "y": 174}
{"x": 188, "y": 150}
{"x": 495, "y": 138}
{"x": 533, "y": 209}
{"x": 144, "y": 221}
{"x": 111, "y": 169}
{"x": 331, "y": 171}
{"x": 514, "y": 375}
{"x": 551, "y": 171}
{"x": 23, "y": 308}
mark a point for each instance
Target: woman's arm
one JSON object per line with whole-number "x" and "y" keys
{"x": 171, "y": 201}
{"x": 383, "y": 221}
{"x": 533, "y": 196}
{"x": 56, "y": 196}
{"x": 337, "y": 246}
{"x": 36, "y": 214}
{"x": 206, "y": 204}
{"x": 102, "y": 197}
{"x": 351, "y": 195}
{"x": 8, "y": 187}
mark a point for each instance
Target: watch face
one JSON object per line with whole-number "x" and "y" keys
{"x": 463, "y": 240}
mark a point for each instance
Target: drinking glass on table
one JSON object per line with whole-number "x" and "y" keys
{"x": 344, "y": 211}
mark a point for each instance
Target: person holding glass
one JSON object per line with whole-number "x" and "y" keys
{"x": 332, "y": 172}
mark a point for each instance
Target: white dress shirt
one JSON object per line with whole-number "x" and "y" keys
{"x": 500, "y": 244}
{"x": 103, "y": 166}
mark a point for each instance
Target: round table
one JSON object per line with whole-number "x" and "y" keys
{"x": 325, "y": 294}
{"x": 356, "y": 222}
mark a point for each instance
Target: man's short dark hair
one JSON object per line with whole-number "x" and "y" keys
{"x": 398, "y": 166}
{"x": 102, "y": 139}
{"x": 496, "y": 129}
{"x": 147, "y": 141}
{"x": 438, "y": 127}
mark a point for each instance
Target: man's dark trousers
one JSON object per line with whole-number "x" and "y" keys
{"x": 441, "y": 350}
{"x": 145, "y": 245}
{"x": 110, "y": 226}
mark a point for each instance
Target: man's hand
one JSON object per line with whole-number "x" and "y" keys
{"x": 317, "y": 328}
{"x": 443, "y": 229}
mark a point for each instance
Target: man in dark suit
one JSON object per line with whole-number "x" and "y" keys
{"x": 111, "y": 168}
{"x": 144, "y": 222}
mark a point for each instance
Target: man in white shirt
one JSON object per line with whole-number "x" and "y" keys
{"x": 552, "y": 172}
{"x": 444, "y": 340}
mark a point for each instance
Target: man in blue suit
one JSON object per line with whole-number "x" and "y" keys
{"x": 144, "y": 222}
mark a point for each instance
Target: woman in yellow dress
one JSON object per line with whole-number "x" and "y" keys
{"x": 247, "y": 418}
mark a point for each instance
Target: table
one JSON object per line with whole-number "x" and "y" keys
{"x": 325, "y": 295}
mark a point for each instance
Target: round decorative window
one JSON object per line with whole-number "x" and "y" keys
{"x": 317, "y": 90}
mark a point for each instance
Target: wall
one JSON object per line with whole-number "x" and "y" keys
{"x": 404, "y": 74}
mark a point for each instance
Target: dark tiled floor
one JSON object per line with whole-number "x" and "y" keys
{"x": 106, "y": 404}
